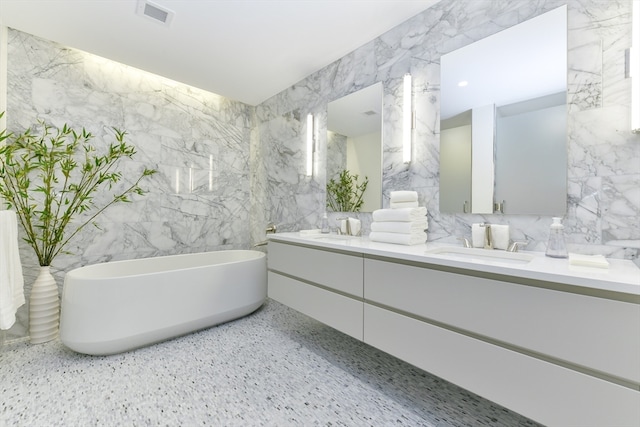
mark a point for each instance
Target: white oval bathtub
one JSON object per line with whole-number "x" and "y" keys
{"x": 118, "y": 306}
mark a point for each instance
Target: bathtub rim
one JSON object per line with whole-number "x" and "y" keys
{"x": 83, "y": 272}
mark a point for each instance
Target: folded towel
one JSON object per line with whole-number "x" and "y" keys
{"x": 11, "y": 280}
{"x": 500, "y": 236}
{"x": 399, "y": 226}
{"x": 598, "y": 261}
{"x": 404, "y": 196}
{"x": 354, "y": 226}
{"x": 477, "y": 235}
{"x": 401, "y": 205}
{"x": 405, "y": 214}
{"x": 398, "y": 238}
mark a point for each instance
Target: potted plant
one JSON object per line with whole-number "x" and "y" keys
{"x": 344, "y": 194}
{"x": 49, "y": 176}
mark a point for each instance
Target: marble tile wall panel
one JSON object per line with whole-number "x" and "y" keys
{"x": 195, "y": 203}
{"x": 604, "y": 156}
{"x": 199, "y": 143}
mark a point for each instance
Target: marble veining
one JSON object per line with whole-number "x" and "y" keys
{"x": 604, "y": 157}
{"x": 199, "y": 143}
{"x": 273, "y": 368}
{"x": 228, "y": 169}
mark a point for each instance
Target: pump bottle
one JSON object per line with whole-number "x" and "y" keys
{"x": 324, "y": 225}
{"x": 556, "y": 248}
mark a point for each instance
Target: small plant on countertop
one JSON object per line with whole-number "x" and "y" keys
{"x": 49, "y": 176}
{"x": 344, "y": 194}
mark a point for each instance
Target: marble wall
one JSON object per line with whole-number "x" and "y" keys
{"x": 241, "y": 167}
{"x": 199, "y": 143}
{"x": 604, "y": 156}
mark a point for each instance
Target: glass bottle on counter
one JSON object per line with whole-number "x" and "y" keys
{"x": 556, "y": 247}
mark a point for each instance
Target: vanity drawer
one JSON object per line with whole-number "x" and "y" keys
{"x": 548, "y": 393}
{"x": 339, "y": 271}
{"x": 594, "y": 333}
{"x": 338, "y": 311}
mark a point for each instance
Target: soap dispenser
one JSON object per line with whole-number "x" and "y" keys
{"x": 324, "y": 225}
{"x": 556, "y": 247}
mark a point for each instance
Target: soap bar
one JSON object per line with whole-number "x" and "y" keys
{"x": 598, "y": 261}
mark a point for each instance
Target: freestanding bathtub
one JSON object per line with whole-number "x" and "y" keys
{"x": 118, "y": 306}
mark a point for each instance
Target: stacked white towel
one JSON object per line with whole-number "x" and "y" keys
{"x": 11, "y": 280}
{"x": 403, "y": 224}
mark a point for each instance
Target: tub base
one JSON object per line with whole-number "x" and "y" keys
{"x": 120, "y": 306}
{"x": 133, "y": 342}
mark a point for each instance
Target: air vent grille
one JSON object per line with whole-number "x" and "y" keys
{"x": 155, "y": 12}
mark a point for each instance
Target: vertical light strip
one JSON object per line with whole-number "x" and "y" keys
{"x": 634, "y": 66}
{"x": 407, "y": 118}
{"x": 309, "y": 144}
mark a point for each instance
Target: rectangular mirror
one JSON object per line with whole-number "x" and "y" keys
{"x": 503, "y": 121}
{"x": 354, "y": 141}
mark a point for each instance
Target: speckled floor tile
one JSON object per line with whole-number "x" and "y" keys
{"x": 275, "y": 367}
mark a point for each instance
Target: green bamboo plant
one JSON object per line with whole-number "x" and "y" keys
{"x": 344, "y": 194}
{"x": 50, "y": 175}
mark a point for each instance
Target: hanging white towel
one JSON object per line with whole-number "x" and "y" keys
{"x": 404, "y": 196}
{"x": 405, "y": 214}
{"x": 398, "y": 238}
{"x": 11, "y": 280}
{"x": 400, "y": 226}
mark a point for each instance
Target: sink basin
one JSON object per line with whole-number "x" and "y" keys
{"x": 482, "y": 255}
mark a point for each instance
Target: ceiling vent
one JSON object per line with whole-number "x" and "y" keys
{"x": 155, "y": 12}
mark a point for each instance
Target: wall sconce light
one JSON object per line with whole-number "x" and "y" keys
{"x": 310, "y": 147}
{"x": 407, "y": 119}
{"x": 634, "y": 67}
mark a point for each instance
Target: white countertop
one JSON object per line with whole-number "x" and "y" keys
{"x": 621, "y": 276}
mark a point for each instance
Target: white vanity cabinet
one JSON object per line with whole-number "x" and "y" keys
{"x": 325, "y": 285}
{"x": 558, "y": 357}
{"x": 559, "y": 353}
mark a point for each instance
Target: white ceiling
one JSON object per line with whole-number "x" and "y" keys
{"x": 246, "y": 50}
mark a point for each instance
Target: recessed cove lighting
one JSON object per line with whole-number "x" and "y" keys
{"x": 463, "y": 83}
{"x": 155, "y": 12}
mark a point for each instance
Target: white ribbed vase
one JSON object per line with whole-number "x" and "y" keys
{"x": 44, "y": 308}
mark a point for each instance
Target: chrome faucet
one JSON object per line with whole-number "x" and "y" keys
{"x": 488, "y": 239}
{"x": 514, "y": 246}
{"x": 465, "y": 242}
{"x": 348, "y": 226}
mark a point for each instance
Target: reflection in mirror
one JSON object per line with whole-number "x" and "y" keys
{"x": 354, "y": 141}
{"x": 503, "y": 121}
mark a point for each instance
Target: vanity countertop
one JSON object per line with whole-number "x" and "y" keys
{"x": 622, "y": 276}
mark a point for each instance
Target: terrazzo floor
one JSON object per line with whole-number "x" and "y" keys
{"x": 275, "y": 367}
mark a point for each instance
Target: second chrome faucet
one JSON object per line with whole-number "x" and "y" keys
{"x": 488, "y": 239}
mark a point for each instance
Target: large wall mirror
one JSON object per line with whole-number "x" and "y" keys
{"x": 503, "y": 121}
{"x": 354, "y": 141}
